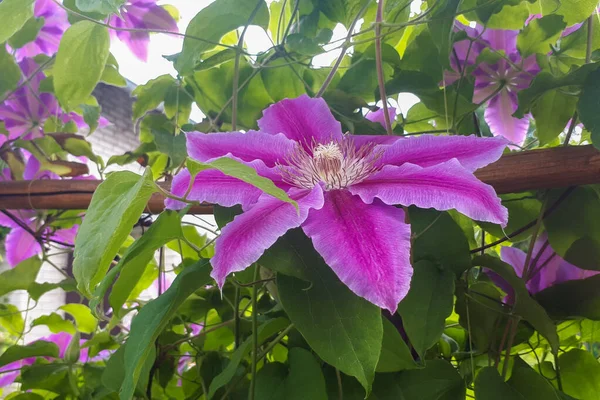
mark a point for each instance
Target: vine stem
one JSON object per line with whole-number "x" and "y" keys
{"x": 347, "y": 43}
{"x": 254, "y": 332}
{"x": 379, "y": 66}
{"x": 236, "y": 66}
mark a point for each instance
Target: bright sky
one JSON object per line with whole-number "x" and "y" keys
{"x": 257, "y": 40}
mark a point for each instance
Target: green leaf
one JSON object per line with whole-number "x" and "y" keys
{"x": 395, "y": 354}
{"x": 545, "y": 81}
{"x": 84, "y": 319}
{"x": 11, "y": 320}
{"x": 100, "y": 6}
{"x": 552, "y": 112}
{"x": 529, "y": 384}
{"x": 112, "y": 76}
{"x": 522, "y": 209}
{"x": 283, "y": 258}
{"x": 580, "y": 373}
{"x": 52, "y": 377}
{"x": 281, "y": 81}
{"x": 525, "y": 305}
{"x": 266, "y": 330}
{"x": 38, "y": 348}
{"x": 304, "y": 380}
{"x": 21, "y": 276}
{"x": 82, "y": 54}
{"x": 114, "y": 373}
{"x": 13, "y": 15}
{"x": 439, "y": 239}
{"x": 55, "y": 323}
{"x": 116, "y": 206}
{"x": 574, "y": 11}
{"x": 11, "y": 73}
{"x": 574, "y": 224}
{"x": 343, "y": 11}
{"x": 151, "y": 94}
{"x": 354, "y": 348}
{"x": 172, "y": 145}
{"x": 27, "y": 33}
{"x": 540, "y": 34}
{"x": 236, "y": 169}
{"x": 133, "y": 263}
{"x": 91, "y": 116}
{"x": 489, "y": 385}
{"x": 576, "y": 298}
{"x": 36, "y": 290}
{"x": 153, "y": 318}
{"x": 441, "y": 28}
{"x": 427, "y": 305}
{"x": 439, "y": 380}
{"x": 589, "y": 103}
{"x": 212, "y": 23}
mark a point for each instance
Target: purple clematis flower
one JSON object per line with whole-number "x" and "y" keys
{"x": 496, "y": 84}
{"x": 20, "y": 244}
{"x": 25, "y": 112}
{"x": 547, "y": 268}
{"x": 62, "y": 340}
{"x": 48, "y": 39}
{"x": 346, "y": 188}
{"x": 379, "y": 116}
{"x": 141, "y": 14}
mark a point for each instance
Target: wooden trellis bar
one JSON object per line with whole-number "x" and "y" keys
{"x": 513, "y": 173}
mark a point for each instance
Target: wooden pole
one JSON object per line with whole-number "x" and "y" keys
{"x": 513, "y": 173}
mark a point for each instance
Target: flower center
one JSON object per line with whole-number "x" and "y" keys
{"x": 336, "y": 164}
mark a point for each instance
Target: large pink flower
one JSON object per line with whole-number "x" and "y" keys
{"x": 346, "y": 188}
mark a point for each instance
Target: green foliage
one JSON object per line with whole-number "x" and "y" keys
{"x": 150, "y": 322}
{"x": 116, "y": 205}
{"x": 102, "y": 6}
{"x": 35, "y": 349}
{"x": 20, "y": 277}
{"x": 10, "y": 72}
{"x": 213, "y": 22}
{"x": 14, "y": 15}
{"x": 588, "y": 106}
{"x": 427, "y": 305}
{"x": 355, "y": 347}
{"x": 80, "y": 61}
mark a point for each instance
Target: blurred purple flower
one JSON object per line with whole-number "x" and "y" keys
{"x": 19, "y": 243}
{"x": 547, "y": 268}
{"x": 141, "y": 14}
{"x": 496, "y": 84}
{"x": 25, "y": 112}
{"x": 346, "y": 188}
{"x": 48, "y": 39}
{"x": 62, "y": 340}
{"x": 379, "y": 116}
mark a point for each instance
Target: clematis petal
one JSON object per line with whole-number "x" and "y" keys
{"x": 361, "y": 140}
{"x": 499, "y": 117}
{"x": 501, "y": 39}
{"x": 137, "y": 42}
{"x": 379, "y": 116}
{"x": 66, "y": 235}
{"x": 212, "y": 186}
{"x": 254, "y": 145}
{"x": 303, "y": 119}
{"x": 443, "y": 186}
{"x": 366, "y": 245}
{"x": 158, "y": 18}
{"x": 246, "y": 238}
{"x": 426, "y": 150}
{"x": 20, "y": 245}
{"x": 515, "y": 257}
